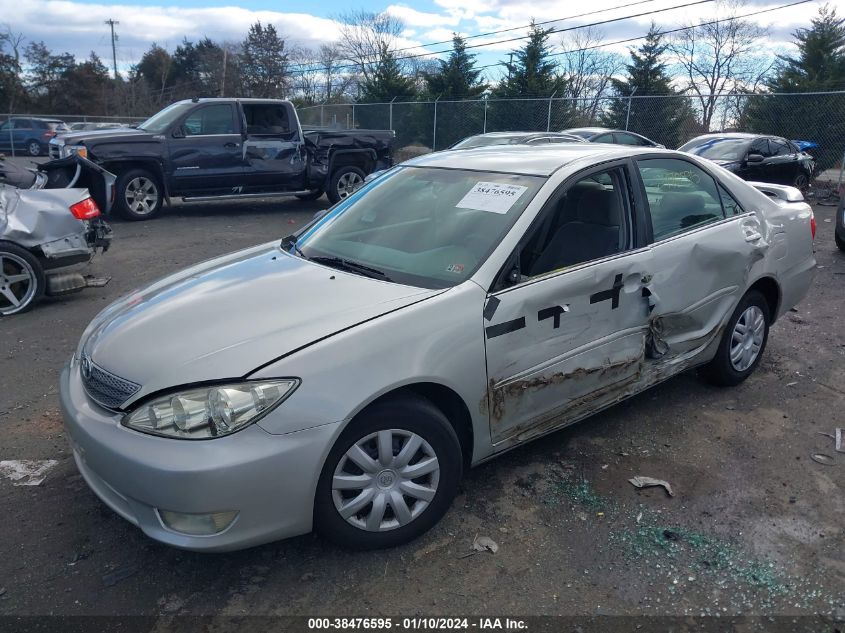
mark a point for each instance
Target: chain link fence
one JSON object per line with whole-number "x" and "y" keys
{"x": 421, "y": 126}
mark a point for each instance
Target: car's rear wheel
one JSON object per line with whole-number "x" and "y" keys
{"x": 344, "y": 182}
{"x": 743, "y": 342}
{"x": 311, "y": 195}
{"x": 22, "y": 280}
{"x": 139, "y": 195}
{"x": 391, "y": 475}
{"x": 33, "y": 148}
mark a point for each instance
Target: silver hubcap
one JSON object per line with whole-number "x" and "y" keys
{"x": 141, "y": 196}
{"x": 17, "y": 283}
{"x": 747, "y": 338}
{"x": 348, "y": 183}
{"x": 34, "y": 149}
{"x": 385, "y": 480}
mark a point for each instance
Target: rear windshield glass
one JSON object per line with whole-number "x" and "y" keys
{"x": 422, "y": 226}
{"x": 485, "y": 141}
{"x": 719, "y": 148}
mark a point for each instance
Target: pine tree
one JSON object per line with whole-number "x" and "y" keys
{"x": 532, "y": 73}
{"x": 664, "y": 118}
{"x": 820, "y": 64}
{"x": 386, "y": 81}
{"x": 264, "y": 63}
{"x": 457, "y": 77}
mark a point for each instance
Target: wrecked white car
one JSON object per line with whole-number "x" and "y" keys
{"x": 49, "y": 221}
{"x": 457, "y": 306}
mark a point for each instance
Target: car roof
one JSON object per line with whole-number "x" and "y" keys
{"x": 525, "y": 160}
{"x": 738, "y": 135}
{"x": 593, "y": 130}
{"x": 516, "y": 134}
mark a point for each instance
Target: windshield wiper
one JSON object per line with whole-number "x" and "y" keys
{"x": 351, "y": 266}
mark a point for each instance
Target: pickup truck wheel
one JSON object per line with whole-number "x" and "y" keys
{"x": 22, "y": 280}
{"x": 344, "y": 182}
{"x": 742, "y": 344}
{"x": 311, "y": 195}
{"x": 391, "y": 475}
{"x": 33, "y": 148}
{"x": 138, "y": 195}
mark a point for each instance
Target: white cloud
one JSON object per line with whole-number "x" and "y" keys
{"x": 412, "y": 17}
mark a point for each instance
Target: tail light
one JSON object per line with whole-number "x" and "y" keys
{"x": 85, "y": 209}
{"x": 813, "y": 224}
{"x": 49, "y": 134}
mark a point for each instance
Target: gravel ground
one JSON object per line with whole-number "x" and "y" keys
{"x": 754, "y": 526}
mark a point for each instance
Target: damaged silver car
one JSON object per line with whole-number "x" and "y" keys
{"x": 459, "y": 305}
{"x": 49, "y": 220}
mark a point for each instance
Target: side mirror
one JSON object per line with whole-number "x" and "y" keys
{"x": 755, "y": 158}
{"x": 179, "y": 132}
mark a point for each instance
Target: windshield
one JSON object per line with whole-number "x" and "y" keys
{"x": 421, "y": 226}
{"x": 719, "y": 148}
{"x": 161, "y": 121}
{"x": 484, "y": 141}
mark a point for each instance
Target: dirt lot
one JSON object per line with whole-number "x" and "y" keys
{"x": 755, "y": 526}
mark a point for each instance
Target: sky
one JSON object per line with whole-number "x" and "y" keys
{"x": 77, "y": 26}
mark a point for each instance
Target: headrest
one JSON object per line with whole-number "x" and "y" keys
{"x": 599, "y": 206}
{"x": 674, "y": 204}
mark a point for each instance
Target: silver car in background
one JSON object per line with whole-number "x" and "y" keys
{"x": 458, "y": 306}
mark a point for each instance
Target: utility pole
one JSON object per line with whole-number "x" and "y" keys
{"x": 510, "y": 63}
{"x": 223, "y": 82}
{"x": 111, "y": 24}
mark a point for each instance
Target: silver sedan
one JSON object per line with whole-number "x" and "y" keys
{"x": 462, "y": 304}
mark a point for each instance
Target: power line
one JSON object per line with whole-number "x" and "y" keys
{"x": 302, "y": 67}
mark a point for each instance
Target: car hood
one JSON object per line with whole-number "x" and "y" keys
{"x": 99, "y": 136}
{"x": 225, "y": 318}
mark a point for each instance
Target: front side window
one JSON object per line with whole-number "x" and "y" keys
{"x": 761, "y": 146}
{"x": 421, "y": 226}
{"x": 211, "y": 119}
{"x": 164, "y": 119}
{"x": 681, "y": 196}
{"x": 586, "y": 222}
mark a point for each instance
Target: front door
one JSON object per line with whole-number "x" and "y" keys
{"x": 567, "y": 336}
{"x": 207, "y": 153}
{"x": 702, "y": 243}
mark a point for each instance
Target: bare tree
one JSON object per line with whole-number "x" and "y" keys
{"x": 365, "y": 37}
{"x": 720, "y": 59}
{"x": 587, "y": 71}
{"x": 10, "y": 65}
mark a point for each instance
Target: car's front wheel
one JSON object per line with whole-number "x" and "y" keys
{"x": 391, "y": 475}
{"x": 139, "y": 195}
{"x": 743, "y": 342}
{"x": 22, "y": 280}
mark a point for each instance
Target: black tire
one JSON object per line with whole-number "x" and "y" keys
{"x": 801, "y": 181}
{"x": 138, "y": 206}
{"x": 17, "y": 259}
{"x": 338, "y": 190}
{"x": 840, "y": 243}
{"x": 311, "y": 195}
{"x": 721, "y": 371}
{"x": 410, "y": 415}
{"x": 33, "y": 148}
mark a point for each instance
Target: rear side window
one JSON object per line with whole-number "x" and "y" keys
{"x": 729, "y": 203}
{"x": 266, "y": 119}
{"x": 210, "y": 119}
{"x": 681, "y": 196}
{"x": 780, "y": 147}
{"x": 602, "y": 138}
{"x": 628, "y": 139}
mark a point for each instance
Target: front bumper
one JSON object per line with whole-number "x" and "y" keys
{"x": 269, "y": 479}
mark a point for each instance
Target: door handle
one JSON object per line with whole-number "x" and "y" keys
{"x": 232, "y": 145}
{"x": 752, "y": 236}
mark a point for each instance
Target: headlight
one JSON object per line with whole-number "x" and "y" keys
{"x": 70, "y": 150}
{"x": 206, "y": 412}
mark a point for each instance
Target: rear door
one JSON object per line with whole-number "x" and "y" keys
{"x": 567, "y": 337}
{"x": 206, "y": 152}
{"x": 274, "y": 151}
{"x": 703, "y": 244}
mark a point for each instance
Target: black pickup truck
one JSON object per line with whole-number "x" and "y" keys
{"x": 213, "y": 149}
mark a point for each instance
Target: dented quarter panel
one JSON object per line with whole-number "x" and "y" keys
{"x": 41, "y": 219}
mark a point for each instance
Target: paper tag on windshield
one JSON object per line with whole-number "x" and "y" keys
{"x": 492, "y": 197}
